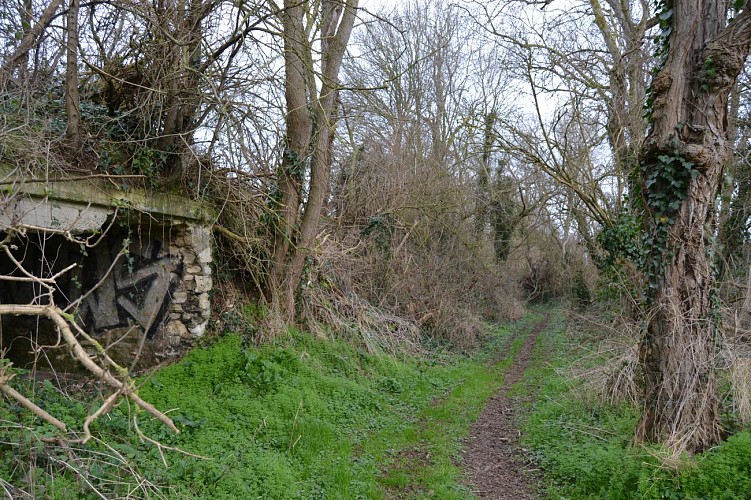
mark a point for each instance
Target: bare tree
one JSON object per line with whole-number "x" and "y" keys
{"x": 311, "y": 99}
{"x": 583, "y": 66}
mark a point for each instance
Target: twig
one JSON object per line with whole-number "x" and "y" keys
{"x": 30, "y": 406}
{"x": 36, "y": 279}
{"x": 106, "y": 406}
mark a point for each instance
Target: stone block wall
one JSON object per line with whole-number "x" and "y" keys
{"x": 190, "y": 305}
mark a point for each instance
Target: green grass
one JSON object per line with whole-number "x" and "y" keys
{"x": 311, "y": 418}
{"x": 585, "y": 447}
{"x": 304, "y": 418}
{"x": 425, "y": 466}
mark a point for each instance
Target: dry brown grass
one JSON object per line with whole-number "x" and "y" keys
{"x": 331, "y": 306}
{"x": 735, "y": 360}
{"x": 412, "y": 249}
{"x": 609, "y": 365}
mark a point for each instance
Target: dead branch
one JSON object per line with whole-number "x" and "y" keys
{"x": 62, "y": 320}
{"x": 26, "y": 403}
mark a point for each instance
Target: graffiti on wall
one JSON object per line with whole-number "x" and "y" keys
{"x": 136, "y": 291}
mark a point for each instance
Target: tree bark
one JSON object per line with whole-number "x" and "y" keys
{"x": 687, "y": 146}
{"x": 299, "y": 123}
{"x": 72, "y": 99}
{"x": 311, "y": 119}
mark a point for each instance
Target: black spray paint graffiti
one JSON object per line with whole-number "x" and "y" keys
{"x": 137, "y": 291}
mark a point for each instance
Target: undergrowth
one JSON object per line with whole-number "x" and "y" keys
{"x": 585, "y": 447}
{"x": 300, "y": 418}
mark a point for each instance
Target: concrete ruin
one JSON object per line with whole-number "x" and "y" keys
{"x": 141, "y": 283}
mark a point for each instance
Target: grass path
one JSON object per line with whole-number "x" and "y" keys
{"x": 492, "y": 457}
{"x": 472, "y": 415}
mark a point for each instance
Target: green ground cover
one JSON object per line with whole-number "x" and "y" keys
{"x": 585, "y": 447}
{"x": 302, "y": 418}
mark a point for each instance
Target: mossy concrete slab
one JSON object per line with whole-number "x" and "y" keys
{"x": 101, "y": 192}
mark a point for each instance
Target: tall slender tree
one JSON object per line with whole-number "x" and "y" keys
{"x": 310, "y": 122}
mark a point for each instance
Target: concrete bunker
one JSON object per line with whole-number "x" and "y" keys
{"x": 137, "y": 273}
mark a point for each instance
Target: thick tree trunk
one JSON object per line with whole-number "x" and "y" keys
{"x": 678, "y": 351}
{"x": 682, "y": 162}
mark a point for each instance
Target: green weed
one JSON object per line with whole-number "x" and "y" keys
{"x": 586, "y": 448}
{"x": 302, "y": 418}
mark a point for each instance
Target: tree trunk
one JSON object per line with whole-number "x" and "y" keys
{"x": 183, "y": 97}
{"x": 30, "y": 38}
{"x": 72, "y": 99}
{"x": 310, "y": 121}
{"x": 682, "y": 161}
{"x": 482, "y": 202}
{"x": 623, "y": 30}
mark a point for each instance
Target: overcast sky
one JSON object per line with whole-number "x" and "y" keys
{"x": 374, "y": 5}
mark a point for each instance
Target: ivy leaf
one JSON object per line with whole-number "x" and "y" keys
{"x": 739, "y": 4}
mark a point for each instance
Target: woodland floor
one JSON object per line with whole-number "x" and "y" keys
{"x": 493, "y": 460}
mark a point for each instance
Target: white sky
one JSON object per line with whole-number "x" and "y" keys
{"x": 375, "y": 5}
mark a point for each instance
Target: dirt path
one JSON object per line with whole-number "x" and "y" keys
{"x": 491, "y": 459}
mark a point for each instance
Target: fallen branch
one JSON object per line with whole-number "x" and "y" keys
{"x": 36, "y": 410}
{"x": 61, "y": 320}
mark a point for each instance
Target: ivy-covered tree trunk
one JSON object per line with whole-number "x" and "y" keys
{"x": 682, "y": 162}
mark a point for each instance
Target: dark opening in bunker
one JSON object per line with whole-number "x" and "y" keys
{"x": 118, "y": 291}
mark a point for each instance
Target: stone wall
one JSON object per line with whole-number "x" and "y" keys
{"x": 190, "y": 304}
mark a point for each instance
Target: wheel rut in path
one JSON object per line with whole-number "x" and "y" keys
{"x": 491, "y": 459}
